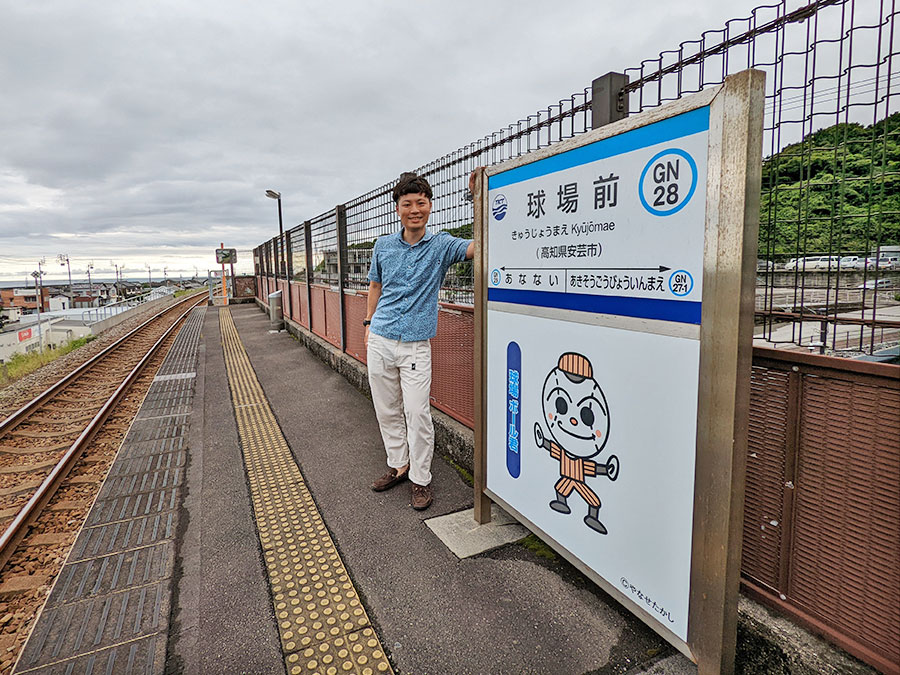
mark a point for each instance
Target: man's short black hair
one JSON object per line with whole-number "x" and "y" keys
{"x": 411, "y": 184}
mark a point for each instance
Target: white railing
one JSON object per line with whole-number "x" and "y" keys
{"x": 96, "y": 314}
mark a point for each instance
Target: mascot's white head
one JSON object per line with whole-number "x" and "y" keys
{"x": 575, "y": 408}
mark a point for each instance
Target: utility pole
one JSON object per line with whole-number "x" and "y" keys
{"x": 149, "y": 278}
{"x": 90, "y": 285}
{"x": 63, "y": 259}
{"x": 116, "y": 285}
{"x": 39, "y": 290}
{"x": 42, "y": 261}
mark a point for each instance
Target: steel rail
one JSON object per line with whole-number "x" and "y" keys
{"x": 29, "y": 407}
{"x": 15, "y": 532}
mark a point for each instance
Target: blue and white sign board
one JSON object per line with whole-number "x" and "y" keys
{"x": 594, "y": 274}
{"x": 614, "y": 227}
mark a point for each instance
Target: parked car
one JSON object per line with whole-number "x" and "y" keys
{"x": 877, "y": 284}
{"x": 851, "y": 262}
{"x": 823, "y": 262}
{"x": 891, "y": 262}
{"x": 764, "y": 265}
{"x": 796, "y": 263}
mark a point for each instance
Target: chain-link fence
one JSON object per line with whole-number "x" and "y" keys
{"x": 828, "y": 268}
{"x": 828, "y": 272}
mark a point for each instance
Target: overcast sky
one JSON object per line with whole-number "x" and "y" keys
{"x": 144, "y": 133}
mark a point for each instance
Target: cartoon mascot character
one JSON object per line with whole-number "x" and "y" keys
{"x": 577, "y": 417}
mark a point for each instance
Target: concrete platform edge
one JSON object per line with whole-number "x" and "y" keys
{"x": 767, "y": 642}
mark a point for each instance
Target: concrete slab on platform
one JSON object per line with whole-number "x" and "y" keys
{"x": 465, "y": 538}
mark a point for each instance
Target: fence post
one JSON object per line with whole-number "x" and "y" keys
{"x": 264, "y": 266}
{"x": 276, "y": 260}
{"x": 341, "y": 219}
{"x": 307, "y": 233}
{"x": 608, "y": 99}
{"x": 290, "y": 271}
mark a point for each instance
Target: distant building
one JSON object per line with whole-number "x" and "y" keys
{"x": 26, "y": 299}
{"x": 59, "y": 302}
{"x": 86, "y": 295}
{"x": 27, "y": 335}
{"x": 358, "y": 261}
{"x": 9, "y": 315}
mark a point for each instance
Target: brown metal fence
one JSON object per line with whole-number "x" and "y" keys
{"x": 823, "y": 485}
{"x": 822, "y": 507}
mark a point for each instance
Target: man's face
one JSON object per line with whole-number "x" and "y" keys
{"x": 414, "y": 210}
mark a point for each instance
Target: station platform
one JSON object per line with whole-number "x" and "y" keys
{"x": 237, "y": 533}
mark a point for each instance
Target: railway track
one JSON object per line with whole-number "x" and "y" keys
{"x": 76, "y": 425}
{"x": 40, "y": 442}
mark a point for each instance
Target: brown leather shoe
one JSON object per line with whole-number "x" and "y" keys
{"x": 421, "y": 497}
{"x": 389, "y": 480}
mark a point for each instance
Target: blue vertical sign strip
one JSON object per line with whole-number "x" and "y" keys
{"x": 513, "y": 416}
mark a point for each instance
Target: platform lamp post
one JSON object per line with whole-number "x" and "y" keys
{"x": 149, "y": 278}
{"x": 272, "y": 194}
{"x": 63, "y": 259}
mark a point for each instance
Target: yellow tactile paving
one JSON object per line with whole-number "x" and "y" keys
{"x": 324, "y": 628}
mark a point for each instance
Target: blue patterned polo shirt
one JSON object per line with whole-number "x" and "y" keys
{"x": 410, "y": 278}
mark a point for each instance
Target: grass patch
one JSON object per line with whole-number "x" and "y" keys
{"x": 21, "y": 365}
{"x": 537, "y": 546}
{"x": 462, "y": 471}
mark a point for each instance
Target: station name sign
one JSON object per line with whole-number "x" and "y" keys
{"x": 615, "y": 315}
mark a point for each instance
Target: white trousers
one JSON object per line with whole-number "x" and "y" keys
{"x": 400, "y": 380}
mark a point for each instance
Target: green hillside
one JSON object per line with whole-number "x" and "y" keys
{"x": 837, "y": 190}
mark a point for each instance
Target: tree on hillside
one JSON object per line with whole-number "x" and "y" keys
{"x": 836, "y": 190}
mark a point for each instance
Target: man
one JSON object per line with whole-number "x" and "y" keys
{"x": 404, "y": 279}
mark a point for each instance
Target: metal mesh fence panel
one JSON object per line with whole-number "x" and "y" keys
{"x": 452, "y": 365}
{"x": 829, "y": 261}
{"x": 373, "y": 214}
{"x": 333, "y": 318}
{"x": 369, "y": 216}
{"x": 355, "y": 308}
{"x": 302, "y": 294}
{"x": 324, "y": 249}
{"x": 317, "y": 311}
{"x": 298, "y": 253}
{"x": 296, "y": 302}
{"x": 830, "y": 213}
